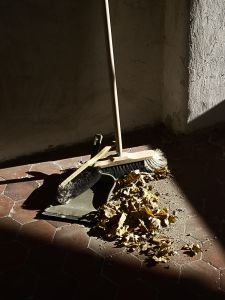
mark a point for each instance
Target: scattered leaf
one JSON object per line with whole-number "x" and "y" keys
{"x": 192, "y": 249}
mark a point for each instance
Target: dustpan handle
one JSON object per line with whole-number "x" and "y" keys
{"x": 115, "y": 105}
{"x": 87, "y": 164}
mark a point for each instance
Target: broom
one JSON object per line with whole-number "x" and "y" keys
{"x": 118, "y": 165}
{"x": 122, "y": 163}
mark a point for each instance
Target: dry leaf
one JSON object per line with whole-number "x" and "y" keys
{"x": 192, "y": 249}
{"x": 109, "y": 212}
{"x": 133, "y": 218}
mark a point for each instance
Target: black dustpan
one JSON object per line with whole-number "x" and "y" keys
{"x": 78, "y": 208}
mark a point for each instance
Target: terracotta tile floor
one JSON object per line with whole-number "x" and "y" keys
{"x": 51, "y": 259}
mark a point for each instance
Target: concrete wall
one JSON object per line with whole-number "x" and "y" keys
{"x": 54, "y": 79}
{"x": 193, "y": 94}
{"x": 54, "y": 83}
{"x": 175, "y": 72}
{"x": 206, "y": 103}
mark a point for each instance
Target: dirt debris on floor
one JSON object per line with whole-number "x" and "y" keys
{"x": 137, "y": 219}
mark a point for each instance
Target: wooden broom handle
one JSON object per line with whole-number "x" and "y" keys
{"x": 115, "y": 105}
{"x": 88, "y": 163}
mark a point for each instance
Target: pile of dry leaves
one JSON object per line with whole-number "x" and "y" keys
{"x": 133, "y": 217}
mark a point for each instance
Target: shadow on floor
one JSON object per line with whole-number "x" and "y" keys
{"x": 40, "y": 270}
{"x": 65, "y": 266}
{"x": 197, "y": 163}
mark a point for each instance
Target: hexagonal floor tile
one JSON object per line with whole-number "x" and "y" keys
{"x": 20, "y": 190}
{"x": 9, "y": 230}
{"x": 58, "y": 224}
{"x": 197, "y": 228}
{"x": 68, "y": 163}
{"x": 5, "y": 205}
{"x": 15, "y": 172}
{"x": 182, "y": 257}
{"x": 200, "y": 273}
{"x": 121, "y": 268}
{"x": 213, "y": 253}
{"x": 72, "y": 237}
{"x": 103, "y": 248}
{"x": 21, "y": 214}
{"x": 160, "y": 275}
{"x": 37, "y": 233}
{"x": 47, "y": 168}
{"x": 2, "y": 185}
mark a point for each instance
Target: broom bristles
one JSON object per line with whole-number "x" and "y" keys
{"x": 155, "y": 156}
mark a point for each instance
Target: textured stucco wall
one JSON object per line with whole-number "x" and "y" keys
{"x": 175, "y": 75}
{"x": 54, "y": 80}
{"x": 54, "y": 84}
{"x": 193, "y": 94}
{"x": 207, "y": 63}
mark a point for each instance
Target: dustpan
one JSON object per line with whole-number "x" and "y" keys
{"x": 79, "y": 208}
